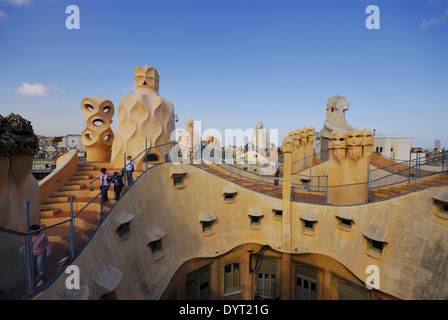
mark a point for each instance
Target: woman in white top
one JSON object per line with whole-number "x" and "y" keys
{"x": 129, "y": 170}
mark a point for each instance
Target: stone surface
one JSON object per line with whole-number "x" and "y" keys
{"x": 97, "y": 136}
{"x": 144, "y": 119}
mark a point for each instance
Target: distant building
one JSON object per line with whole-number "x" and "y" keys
{"x": 393, "y": 148}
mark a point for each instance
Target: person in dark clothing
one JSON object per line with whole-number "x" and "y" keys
{"x": 118, "y": 184}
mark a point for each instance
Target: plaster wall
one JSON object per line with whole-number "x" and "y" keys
{"x": 413, "y": 262}
{"x": 65, "y": 169}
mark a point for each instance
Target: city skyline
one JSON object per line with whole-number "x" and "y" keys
{"x": 232, "y": 64}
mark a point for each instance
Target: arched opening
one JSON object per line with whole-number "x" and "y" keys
{"x": 151, "y": 157}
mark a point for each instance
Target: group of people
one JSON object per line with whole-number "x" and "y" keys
{"x": 117, "y": 179}
{"x": 40, "y": 246}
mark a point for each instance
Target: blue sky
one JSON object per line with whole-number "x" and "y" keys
{"x": 232, "y": 63}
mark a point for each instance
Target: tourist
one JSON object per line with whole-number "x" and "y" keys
{"x": 118, "y": 184}
{"x": 129, "y": 170}
{"x": 40, "y": 248}
{"x": 105, "y": 178}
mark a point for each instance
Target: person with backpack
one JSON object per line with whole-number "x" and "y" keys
{"x": 118, "y": 184}
{"x": 105, "y": 178}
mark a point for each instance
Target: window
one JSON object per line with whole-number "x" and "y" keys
{"x": 154, "y": 241}
{"x": 122, "y": 222}
{"x": 444, "y": 207}
{"x": 375, "y": 248}
{"x": 229, "y": 194}
{"x": 278, "y": 214}
{"x": 156, "y": 249}
{"x": 441, "y": 204}
{"x": 255, "y": 216}
{"x": 207, "y": 226}
{"x": 155, "y": 246}
{"x": 178, "y": 176}
{"x": 305, "y": 289}
{"x": 308, "y": 224}
{"x": 232, "y": 278}
{"x": 266, "y": 279}
{"x": 375, "y": 240}
{"x": 378, "y": 245}
{"x": 123, "y": 230}
{"x": 178, "y": 180}
{"x": 266, "y": 285}
{"x": 345, "y": 220}
{"x": 255, "y": 221}
{"x": 348, "y": 291}
{"x": 309, "y": 220}
{"x": 198, "y": 284}
{"x": 151, "y": 158}
{"x": 207, "y": 219}
{"x": 306, "y": 283}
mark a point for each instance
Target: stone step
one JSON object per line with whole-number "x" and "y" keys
{"x": 77, "y": 205}
{"x": 50, "y": 212}
{"x": 78, "y": 182}
{"x": 394, "y": 190}
{"x": 86, "y": 167}
{"x": 72, "y": 187}
{"x": 439, "y": 180}
{"x": 399, "y": 190}
{"x": 380, "y": 193}
{"x": 85, "y": 220}
{"x": 58, "y": 199}
{"x": 81, "y": 177}
{"x": 86, "y": 193}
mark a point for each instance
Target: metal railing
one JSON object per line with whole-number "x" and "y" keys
{"x": 316, "y": 187}
{"x": 83, "y": 215}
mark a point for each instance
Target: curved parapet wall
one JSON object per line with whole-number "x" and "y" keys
{"x": 145, "y": 239}
{"x": 59, "y": 176}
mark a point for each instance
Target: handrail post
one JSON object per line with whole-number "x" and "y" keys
{"x": 28, "y": 254}
{"x": 125, "y": 172}
{"x": 146, "y": 154}
{"x": 368, "y": 186}
{"x": 415, "y": 172}
{"x": 393, "y": 162}
{"x": 72, "y": 237}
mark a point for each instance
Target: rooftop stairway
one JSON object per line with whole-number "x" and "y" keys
{"x": 376, "y": 194}
{"x": 56, "y": 209}
{"x": 440, "y": 179}
{"x": 266, "y": 188}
